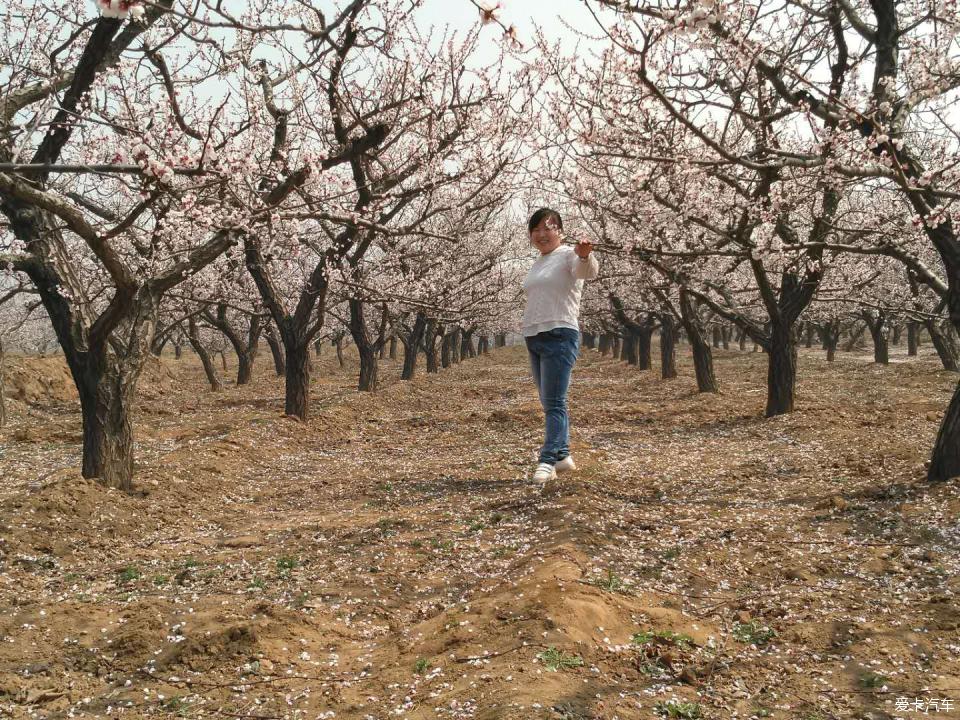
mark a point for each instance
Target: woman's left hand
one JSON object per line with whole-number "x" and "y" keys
{"x": 583, "y": 248}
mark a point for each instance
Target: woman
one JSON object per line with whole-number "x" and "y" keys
{"x": 552, "y": 333}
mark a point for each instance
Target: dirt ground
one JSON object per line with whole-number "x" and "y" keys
{"x": 390, "y": 558}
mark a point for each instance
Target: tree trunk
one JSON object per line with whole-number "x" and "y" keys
{"x": 456, "y": 339}
{"x": 445, "y": 350}
{"x": 944, "y": 339}
{"x": 781, "y": 371}
{"x": 318, "y": 347}
{"x": 223, "y": 360}
{"x": 393, "y": 347}
{"x": 604, "y": 344}
{"x": 810, "y": 330}
{"x": 483, "y": 345}
{"x": 590, "y": 340}
{"x": 366, "y": 349}
{"x": 500, "y": 340}
{"x": 177, "y": 350}
{"x": 279, "y": 363}
{"x": 338, "y": 342}
{"x": 159, "y": 343}
{"x": 742, "y": 339}
{"x": 725, "y": 334}
{"x": 466, "y": 345}
{"x": 854, "y": 338}
{"x": 945, "y": 459}
{"x": 878, "y": 332}
{"x": 913, "y": 336}
{"x": 831, "y": 338}
{"x": 615, "y": 347}
{"x": 107, "y": 399}
{"x": 644, "y": 360}
{"x": 668, "y": 359}
{"x": 368, "y": 369}
{"x": 432, "y": 332}
{"x": 897, "y": 333}
{"x": 702, "y": 354}
{"x": 209, "y": 368}
{"x": 716, "y": 336}
{"x": 297, "y": 397}
{"x": 630, "y": 348}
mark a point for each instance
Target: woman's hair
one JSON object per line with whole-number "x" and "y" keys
{"x": 540, "y": 215}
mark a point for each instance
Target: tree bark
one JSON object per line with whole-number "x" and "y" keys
{"x": 615, "y": 347}
{"x": 668, "y": 359}
{"x": 107, "y": 399}
{"x": 644, "y": 360}
{"x": 367, "y": 349}
{"x": 629, "y": 350}
{"x": 338, "y": 342}
{"x": 878, "y": 332}
{"x": 742, "y": 340}
{"x": 276, "y": 349}
{"x": 466, "y": 345}
{"x": 945, "y": 458}
{"x": 177, "y": 351}
{"x": 717, "y": 336}
{"x": 781, "y": 371}
{"x": 944, "y": 339}
{"x": 245, "y": 348}
{"x": 430, "y": 344}
{"x": 393, "y": 346}
{"x": 411, "y": 346}
{"x": 446, "y": 343}
{"x": 702, "y": 354}
{"x": 209, "y": 368}
{"x": 604, "y": 344}
{"x": 913, "y": 333}
{"x": 855, "y": 336}
{"x": 831, "y": 338}
{"x": 297, "y": 395}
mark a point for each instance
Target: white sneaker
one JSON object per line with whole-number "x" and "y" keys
{"x": 544, "y": 473}
{"x": 565, "y": 465}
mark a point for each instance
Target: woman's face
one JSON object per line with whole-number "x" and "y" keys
{"x": 545, "y": 237}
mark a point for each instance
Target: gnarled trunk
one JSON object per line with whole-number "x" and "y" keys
{"x": 107, "y": 400}
{"x": 411, "y": 346}
{"x": 297, "y": 396}
{"x": 781, "y": 371}
{"x": 945, "y": 458}
{"x": 944, "y": 339}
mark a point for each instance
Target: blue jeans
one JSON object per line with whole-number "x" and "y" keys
{"x": 552, "y": 357}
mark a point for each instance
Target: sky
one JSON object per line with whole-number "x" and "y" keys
{"x": 554, "y": 18}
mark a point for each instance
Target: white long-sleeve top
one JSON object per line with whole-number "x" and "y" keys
{"x": 553, "y": 287}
